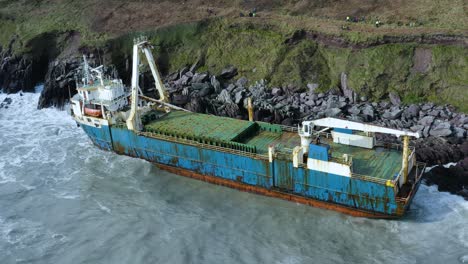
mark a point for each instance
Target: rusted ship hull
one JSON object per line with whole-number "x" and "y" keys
{"x": 256, "y": 174}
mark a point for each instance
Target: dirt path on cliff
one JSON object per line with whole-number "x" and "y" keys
{"x": 119, "y": 18}
{"x": 416, "y": 21}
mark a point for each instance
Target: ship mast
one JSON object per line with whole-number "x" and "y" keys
{"x": 133, "y": 120}
{"x": 85, "y": 70}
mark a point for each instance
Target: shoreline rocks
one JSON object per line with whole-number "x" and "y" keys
{"x": 60, "y": 80}
{"x": 443, "y": 130}
{"x": 453, "y": 179}
{"x": 59, "y": 83}
{"x": 275, "y": 104}
{"x": 15, "y": 71}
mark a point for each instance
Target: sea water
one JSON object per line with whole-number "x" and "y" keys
{"x": 63, "y": 200}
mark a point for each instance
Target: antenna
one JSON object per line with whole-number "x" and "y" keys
{"x": 86, "y": 69}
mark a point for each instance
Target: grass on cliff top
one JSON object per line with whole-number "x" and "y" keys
{"x": 263, "y": 53}
{"x": 98, "y": 21}
{"x": 29, "y": 20}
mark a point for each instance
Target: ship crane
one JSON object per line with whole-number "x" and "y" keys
{"x": 306, "y": 133}
{"x": 133, "y": 120}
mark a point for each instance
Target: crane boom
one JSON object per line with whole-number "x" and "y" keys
{"x": 345, "y": 124}
{"x": 306, "y": 136}
{"x": 133, "y": 120}
{"x": 157, "y": 78}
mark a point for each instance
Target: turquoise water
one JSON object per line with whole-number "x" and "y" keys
{"x": 62, "y": 200}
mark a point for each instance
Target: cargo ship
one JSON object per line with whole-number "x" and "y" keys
{"x": 328, "y": 163}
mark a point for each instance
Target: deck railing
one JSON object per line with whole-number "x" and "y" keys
{"x": 348, "y": 162}
{"x": 368, "y": 178}
{"x": 203, "y": 145}
{"x": 411, "y": 157}
{"x": 285, "y": 153}
{"x": 289, "y": 128}
{"x": 420, "y": 167}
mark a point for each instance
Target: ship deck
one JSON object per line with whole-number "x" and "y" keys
{"x": 383, "y": 163}
{"x": 379, "y": 162}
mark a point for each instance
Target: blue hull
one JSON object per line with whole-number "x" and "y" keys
{"x": 372, "y": 198}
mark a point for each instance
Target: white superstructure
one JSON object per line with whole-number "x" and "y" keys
{"x": 98, "y": 96}
{"x": 344, "y": 132}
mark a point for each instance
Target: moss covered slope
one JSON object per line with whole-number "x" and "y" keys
{"x": 416, "y": 72}
{"x": 292, "y": 42}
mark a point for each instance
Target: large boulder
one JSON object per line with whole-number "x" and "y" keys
{"x": 232, "y": 109}
{"x": 230, "y": 88}
{"x": 426, "y": 121}
{"x": 216, "y": 84}
{"x": 460, "y": 132}
{"x": 228, "y": 73}
{"x": 309, "y": 102}
{"x": 425, "y": 131}
{"x": 225, "y": 96}
{"x": 196, "y": 105}
{"x": 184, "y": 80}
{"x": 392, "y": 113}
{"x": 368, "y": 112}
{"x": 276, "y": 91}
{"x": 355, "y": 118}
{"x": 242, "y": 81}
{"x": 394, "y": 99}
{"x": 287, "y": 122}
{"x": 434, "y": 113}
{"x": 172, "y": 76}
{"x": 206, "y": 91}
{"x": 200, "y": 86}
{"x": 417, "y": 128}
{"x": 6, "y": 102}
{"x": 333, "y": 112}
{"x": 412, "y": 111}
{"x": 427, "y": 106}
{"x": 180, "y": 99}
{"x": 453, "y": 179}
{"x": 199, "y": 77}
{"x": 183, "y": 71}
{"x": 354, "y": 110}
{"x": 59, "y": 82}
{"x": 334, "y": 102}
{"x": 238, "y": 96}
{"x": 437, "y": 150}
{"x": 441, "y": 129}
{"x": 347, "y": 92}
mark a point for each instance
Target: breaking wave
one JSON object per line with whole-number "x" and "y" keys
{"x": 64, "y": 201}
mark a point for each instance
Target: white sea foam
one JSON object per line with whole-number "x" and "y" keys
{"x": 27, "y": 239}
{"x": 448, "y": 165}
{"x": 66, "y": 195}
{"x": 102, "y": 207}
{"x": 44, "y": 151}
{"x": 4, "y": 178}
{"x": 464, "y": 259}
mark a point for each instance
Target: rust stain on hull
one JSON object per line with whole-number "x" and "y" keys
{"x": 274, "y": 193}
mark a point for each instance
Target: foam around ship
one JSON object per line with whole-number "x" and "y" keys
{"x": 328, "y": 163}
